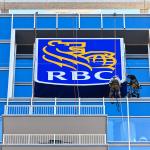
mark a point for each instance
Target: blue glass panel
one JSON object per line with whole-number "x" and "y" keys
{"x": 145, "y": 91}
{"x": 111, "y": 22}
{"x": 24, "y": 62}
{"x": 137, "y": 22}
{"x": 19, "y": 103}
{"x": 43, "y": 103}
{"x": 112, "y": 109}
{"x": 140, "y": 109}
{"x": 23, "y": 91}
{"x": 67, "y": 103}
{"x": 23, "y": 75}
{"x": 5, "y": 28}
{"x": 3, "y": 84}
{"x": 0, "y": 129}
{"x": 90, "y": 22}
{"x": 2, "y": 105}
{"x": 90, "y": 103}
{"x": 68, "y": 22}
{"x": 23, "y": 22}
{"x": 136, "y": 62}
{"x": 117, "y": 130}
{"x": 142, "y": 131}
{"x": 46, "y": 22}
{"x": 141, "y": 74}
{"x": 4, "y": 55}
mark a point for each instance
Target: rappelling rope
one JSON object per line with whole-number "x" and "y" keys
{"x": 115, "y": 35}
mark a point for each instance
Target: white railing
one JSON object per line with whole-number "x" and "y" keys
{"x": 54, "y": 110}
{"x": 51, "y": 139}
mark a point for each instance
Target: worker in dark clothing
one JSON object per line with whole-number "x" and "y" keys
{"x": 134, "y": 86}
{"x": 115, "y": 85}
{"x": 133, "y": 81}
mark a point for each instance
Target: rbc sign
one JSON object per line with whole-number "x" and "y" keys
{"x": 82, "y": 61}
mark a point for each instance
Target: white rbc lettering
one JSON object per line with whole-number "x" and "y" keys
{"x": 82, "y": 74}
{"x": 57, "y": 74}
{"x": 77, "y": 75}
{"x": 98, "y": 75}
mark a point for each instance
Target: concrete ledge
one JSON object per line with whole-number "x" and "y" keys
{"x": 54, "y": 124}
{"x": 54, "y": 147}
{"x": 74, "y": 5}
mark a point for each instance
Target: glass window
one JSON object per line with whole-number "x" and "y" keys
{"x": 90, "y": 22}
{"x": 142, "y": 74}
{"x": 23, "y": 75}
{"x": 24, "y": 62}
{"x": 3, "y": 83}
{"x": 0, "y": 129}
{"x": 139, "y": 108}
{"x": 68, "y": 22}
{"x": 4, "y": 55}
{"x": 136, "y": 49}
{"x": 137, "y": 22}
{"x": 2, "y": 105}
{"x": 112, "y": 110}
{"x": 5, "y": 28}
{"x": 23, "y": 91}
{"x": 23, "y": 22}
{"x": 136, "y": 62}
{"x": 117, "y": 130}
{"x": 111, "y": 22}
{"x": 145, "y": 91}
{"x": 24, "y": 49}
{"x": 142, "y": 131}
{"x": 46, "y": 22}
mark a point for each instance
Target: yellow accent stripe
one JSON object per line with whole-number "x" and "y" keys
{"x": 74, "y": 55}
{"x": 67, "y": 59}
{"x": 57, "y": 63}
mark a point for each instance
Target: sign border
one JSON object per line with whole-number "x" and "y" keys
{"x": 35, "y": 59}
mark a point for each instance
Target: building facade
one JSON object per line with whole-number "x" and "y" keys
{"x": 21, "y": 117}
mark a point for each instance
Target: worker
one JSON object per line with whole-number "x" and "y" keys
{"x": 114, "y": 85}
{"x": 134, "y": 86}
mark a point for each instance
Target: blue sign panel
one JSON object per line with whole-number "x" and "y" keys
{"x": 82, "y": 61}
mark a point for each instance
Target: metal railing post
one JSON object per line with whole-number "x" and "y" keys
{"x": 57, "y": 21}
{"x": 79, "y": 106}
{"x": 128, "y": 115}
{"x": 54, "y": 138}
{"x": 79, "y": 139}
{"x": 31, "y": 107}
{"x": 79, "y": 21}
{"x": 29, "y": 139}
{"x": 101, "y": 21}
{"x": 4, "y": 139}
{"x": 103, "y": 105}
{"x": 55, "y": 109}
{"x": 30, "y": 110}
{"x": 6, "y": 110}
{"x": 104, "y": 139}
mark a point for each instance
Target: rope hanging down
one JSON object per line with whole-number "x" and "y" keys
{"x": 123, "y": 121}
{"x": 33, "y": 72}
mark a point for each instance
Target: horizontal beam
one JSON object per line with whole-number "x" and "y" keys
{"x": 74, "y": 5}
